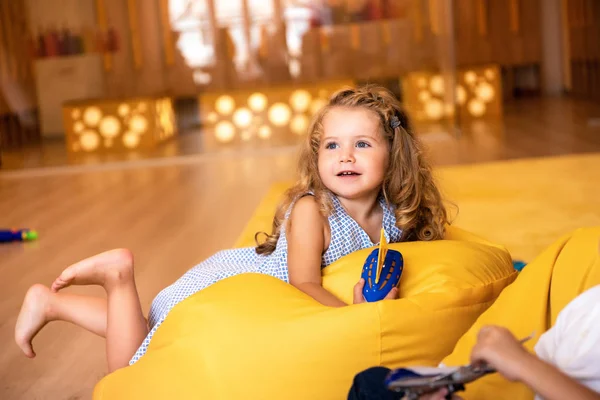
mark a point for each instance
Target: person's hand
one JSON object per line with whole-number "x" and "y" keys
{"x": 439, "y": 395}
{"x": 498, "y": 348}
{"x": 358, "y": 293}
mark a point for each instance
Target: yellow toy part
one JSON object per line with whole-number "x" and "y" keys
{"x": 532, "y": 303}
{"x": 381, "y": 255}
{"x": 252, "y": 336}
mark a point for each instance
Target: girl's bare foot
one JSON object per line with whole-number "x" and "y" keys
{"x": 102, "y": 269}
{"x": 35, "y": 313}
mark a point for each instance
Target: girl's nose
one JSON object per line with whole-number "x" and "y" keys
{"x": 347, "y": 157}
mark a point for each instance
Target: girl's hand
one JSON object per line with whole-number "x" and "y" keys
{"x": 497, "y": 347}
{"x": 358, "y": 293}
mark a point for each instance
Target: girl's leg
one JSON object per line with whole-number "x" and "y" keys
{"x": 42, "y": 306}
{"x": 125, "y": 326}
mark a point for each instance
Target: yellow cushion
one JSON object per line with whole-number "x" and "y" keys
{"x": 567, "y": 268}
{"x": 255, "y": 337}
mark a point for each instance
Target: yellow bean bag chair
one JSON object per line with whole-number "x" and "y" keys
{"x": 532, "y": 303}
{"x": 252, "y": 336}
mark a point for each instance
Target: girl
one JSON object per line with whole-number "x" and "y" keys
{"x": 361, "y": 168}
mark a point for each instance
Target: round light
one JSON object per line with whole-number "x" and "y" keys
{"x": 490, "y": 74}
{"x": 224, "y": 131}
{"x": 476, "y": 107}
{"x": 299, "y": 124}
{"x": 138, "y": 124}
{"x": 437, "y": 85}
{"x": 91, "y": 116}
{"x": 434, "y": 109}
{"x": 257, "y": 102}
{"x": 123, "y": 109}
{"x": 89, "y": 140}
{"x": 300, "y": 100}
{"x": 76, "y": 113}
{"x": 424, "y": 96}
{"x": 264, "y": 132}
{"x": 225, "y": 105}
{"x": 461, "y": 95}
{"x": 279, "y": 114}
{"x": 109, "y": 127}
{"x": 131, "y": 140}
{"x": 485, "y": 92}
{"x": 212, "y": 117}
{"x": 78, "y": 127}
{"x": 316, "y": 105}
{"x": 470, "y": 77}
{"x": 242, "y": 117}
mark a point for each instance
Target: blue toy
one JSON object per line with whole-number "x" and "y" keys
{"x": 381, "y": 271}
{"x": 14, "y": 235}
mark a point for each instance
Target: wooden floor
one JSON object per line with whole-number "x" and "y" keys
{"x": 173, "y": 212}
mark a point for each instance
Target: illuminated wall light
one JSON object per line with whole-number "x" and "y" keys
{"x": 142, "y": 107}
{"x": 78, "y": 127}
{"x": 224, "y": 131}
{"x": 316, "y": 105}
{"x": 299, "y": 124}
{"x": 123, "y": 110}
{"x": 212, "y": 117}
{"x": 485, "y": 92}
{"x": 92, "y": 116}
{"x": 434, "y": 109}
{"x": 490, "y": 74}
{"x": 76, "y": 113}
{"x": 279, "y": 114}
{"x": 89, "y": 140}
{"x": 109, "y": 127}
{"x": 257, "y": 102}
{"x": 225, "y": 105}
{"x": 436, "y": 85}
{"x": 424, "y": 96}
{"x": 167, "y": 125}
{"x": 461, "y": 95}
{"x": 242, "y": 117}
{"x": 138, "y": 124}
{"x": 470, "y": 77}
{"x": 264, "y": 132}
{"x": 476, "y": 107}
{"x": 131, "y": 140}
{"x": 300, "y": 100}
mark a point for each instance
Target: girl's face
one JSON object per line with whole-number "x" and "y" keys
{"x": 354, "y": 155}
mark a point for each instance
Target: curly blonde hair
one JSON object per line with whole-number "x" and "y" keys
{"x": 408, "y": 184}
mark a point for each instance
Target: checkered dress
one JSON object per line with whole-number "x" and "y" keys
{"x": 346, "y": 237}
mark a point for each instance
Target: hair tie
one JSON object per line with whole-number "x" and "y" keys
{"x": 395, "y": 122}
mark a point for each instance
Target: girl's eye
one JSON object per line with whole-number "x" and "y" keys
{"x": 331, "y": 145}
{"x": 362, "y": 144}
